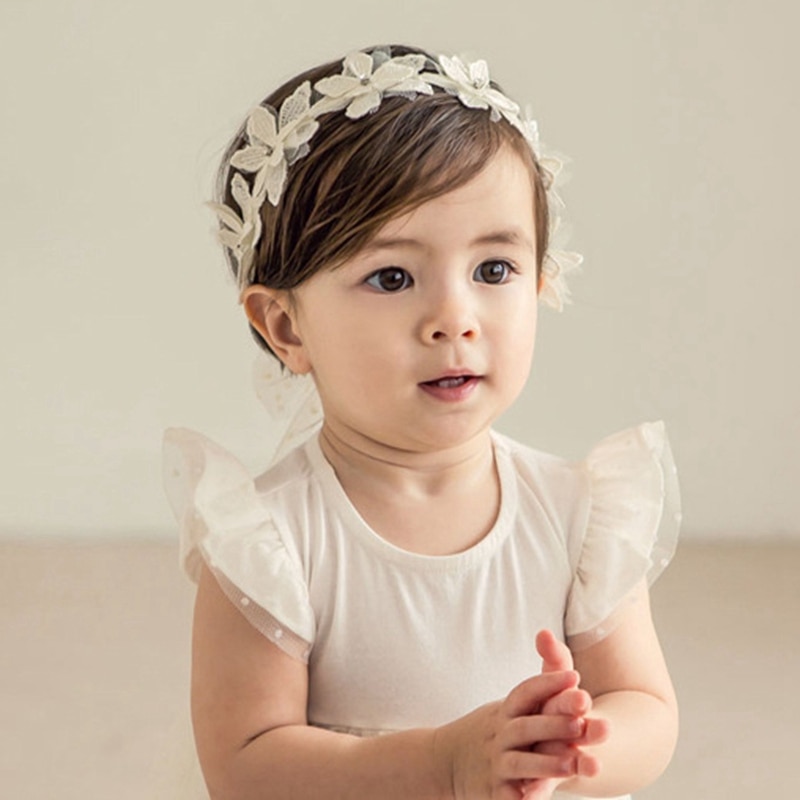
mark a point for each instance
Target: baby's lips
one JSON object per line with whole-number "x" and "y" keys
{"x": 449, "y": 380}
{"x": 449, "y": 373}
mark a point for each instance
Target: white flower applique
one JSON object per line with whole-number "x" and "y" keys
{"x": 529, "y": 129}
{"x": 273, "y": 143}
{"x": 474, "y": 88}
{"x": 557, "y": 264}
{"x": 366, "y": 78}
{"x": 240, "y": 234}
{"x": 551, "y": 167}
{"x": 555, "y": 291}
{"x": 276, "y": 141}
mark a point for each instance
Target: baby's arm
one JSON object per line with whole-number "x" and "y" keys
{"x": 249, "y": 713}
{"x": 627, "y": 677}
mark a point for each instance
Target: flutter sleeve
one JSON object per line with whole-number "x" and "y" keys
{"x": 630, "y": 531}
{"x": 224, "y": 524}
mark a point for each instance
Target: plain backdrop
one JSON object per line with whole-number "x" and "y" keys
{"x": 117, "y": 318}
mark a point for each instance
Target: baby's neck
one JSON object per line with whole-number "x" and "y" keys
{"x": 434, "y": 503}
{"x": 422, "y": 473}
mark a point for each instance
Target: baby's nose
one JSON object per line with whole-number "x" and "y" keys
{"x": 451, "y": 316}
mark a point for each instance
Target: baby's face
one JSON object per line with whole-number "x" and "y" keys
{"x": 421, "y": 340}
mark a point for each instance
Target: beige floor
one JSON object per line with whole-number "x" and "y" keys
{"x": 94, "y": 669}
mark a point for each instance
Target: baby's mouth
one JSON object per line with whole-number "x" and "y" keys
{"x": 451, "y": 382}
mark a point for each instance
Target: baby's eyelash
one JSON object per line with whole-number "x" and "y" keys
{"x": 389, "y": 279}
{"x": 486, "y": 271}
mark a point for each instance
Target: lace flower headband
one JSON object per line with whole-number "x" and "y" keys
{"x": 277, "y": 139}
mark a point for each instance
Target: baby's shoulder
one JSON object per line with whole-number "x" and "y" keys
{"x": 631, "y": 467}
{"x": 294, "y": 493}
{"x": 545, "y": 486}
{"x": 538, "y": 470}
{"x": 287, "y": 476}
{"x": 627, "y": 451}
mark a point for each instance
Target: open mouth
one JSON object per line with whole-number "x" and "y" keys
{"x": 451, "y": 382}
{"x": 451, "y": 388}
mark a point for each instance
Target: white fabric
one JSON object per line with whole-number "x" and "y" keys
{"x": 632, "y": 528}
{"x": 394, "y": 639}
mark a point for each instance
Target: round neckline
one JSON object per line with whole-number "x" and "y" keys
{"x": 355, "y": 524}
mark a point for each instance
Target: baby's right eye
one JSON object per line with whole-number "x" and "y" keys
{"x": 389, "y": 279}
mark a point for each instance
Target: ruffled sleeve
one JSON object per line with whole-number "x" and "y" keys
{"x": 224, "y": 524}
{"x": 631, "y": 528}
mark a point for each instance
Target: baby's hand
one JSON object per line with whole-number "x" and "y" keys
{"x": 492, "y": 750}
{"x": 572, "y": 702}
{"x": 557, "y": 657}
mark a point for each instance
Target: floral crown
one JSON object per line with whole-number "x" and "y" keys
{"x": 276, "y": 139}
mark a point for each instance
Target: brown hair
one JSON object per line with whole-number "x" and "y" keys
{"x": 361, "y": 173}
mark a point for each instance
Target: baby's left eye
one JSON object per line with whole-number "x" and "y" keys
{"x": 493, "y": 272}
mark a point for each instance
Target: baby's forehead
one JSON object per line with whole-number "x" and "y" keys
{"x": 494, "y": 209}
{"x": 505, "y": 184}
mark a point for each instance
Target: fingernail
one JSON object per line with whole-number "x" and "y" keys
{"x": 578, "y": 727}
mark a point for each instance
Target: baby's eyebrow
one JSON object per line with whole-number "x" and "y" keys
{"x": 386, "y": 243}
{"x": 510, "y": 236}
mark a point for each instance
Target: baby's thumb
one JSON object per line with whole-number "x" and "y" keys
{"x": 556, "y": 656}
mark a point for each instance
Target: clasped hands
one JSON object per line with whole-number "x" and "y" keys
{"x": 523, "y": 747}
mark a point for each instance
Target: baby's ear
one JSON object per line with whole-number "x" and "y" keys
{"x": 270, "y": 312}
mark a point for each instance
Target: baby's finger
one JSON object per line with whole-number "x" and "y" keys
{"x": 592, "y": 731}
{"x": 596, "y": 731}
{"x": 586, "y": 764}
{"x": 527, "y": 731}
{"x": 555, "y": 747}
{"x": 520, "y": 765}
{"x": 533, "y": 693}
{"x": 555, "y": 654}
{"x": 573, "y": 702}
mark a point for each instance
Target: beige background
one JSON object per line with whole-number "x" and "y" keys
{"x": 117, "y": 318}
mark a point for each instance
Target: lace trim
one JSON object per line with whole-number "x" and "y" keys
{"x": 288, "y": 641}
{"x": 580, "y": 641}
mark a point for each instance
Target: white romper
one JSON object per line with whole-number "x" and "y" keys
{"x": 395, "y": 640}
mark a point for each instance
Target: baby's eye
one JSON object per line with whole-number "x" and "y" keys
{"x": 390, "y": 279}
{"x": 493, "y": 272}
